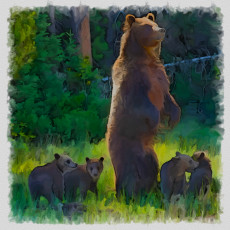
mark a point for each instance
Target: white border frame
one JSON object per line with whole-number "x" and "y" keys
{"x": 4, "y": 111}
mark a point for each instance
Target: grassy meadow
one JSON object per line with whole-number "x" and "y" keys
{"x": 107, "y": 208}
{"x": 60, "y": 102}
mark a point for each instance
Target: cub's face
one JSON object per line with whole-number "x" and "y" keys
{"x": 199, "y": 155}
{"x": 186, "y": 162}
{"x": 145, "y": 29}
{"x": 94, "y": 167}
{"x": 65, "y": 163}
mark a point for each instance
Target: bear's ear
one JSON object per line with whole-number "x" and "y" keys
{"x": 178, "y": 154}
{"x": 86, "y": 159}
{"x": 151, "y": 17}
{"x": 175, "y": 159}
{"x": 130, "y": 19}
{"x": 57, "y": 156}
{"x": 202, "y": 155}
{"x": 101, "y": 159}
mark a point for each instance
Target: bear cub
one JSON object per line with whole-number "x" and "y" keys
{"x": 84, "y": 178}
{"x": 172, "y": 174}
{"x": 202, "y": 176}
{"x": 48, "y": 181}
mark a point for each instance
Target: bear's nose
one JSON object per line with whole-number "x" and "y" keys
{"x": 162, "y": 30}
{"x": 95, "y": 174}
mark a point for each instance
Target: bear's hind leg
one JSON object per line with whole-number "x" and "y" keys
{"x": 126, "y": 185}
{"x": 135, "y": 167}
{"x": 138, "y": 176}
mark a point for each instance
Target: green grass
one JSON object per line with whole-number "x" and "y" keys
{"x": 107, "y": 209}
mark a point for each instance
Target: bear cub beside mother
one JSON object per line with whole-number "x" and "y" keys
{"x": 48, "y": 181}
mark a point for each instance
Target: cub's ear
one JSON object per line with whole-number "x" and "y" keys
{"x": 151, "y": 17}
{"x": 130, "y": 19}
{"x": 101, "y": 159}
{"x": 178, "y": 154}
{"x": 202, "y": 155}
{"x": 57, "y": 156}
{"x": 175, "y": 159}
{"x": 86, "y": 159}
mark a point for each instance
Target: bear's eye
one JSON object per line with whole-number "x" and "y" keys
{"x": 91, "y": 168}
{"x": 98, "y": 168}
{"x": 68, "y": 161}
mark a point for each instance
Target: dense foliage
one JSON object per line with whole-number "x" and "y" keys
{"x": 56, "y": 94}
{"x": 22, "y": 32}
{"x": 100, "y": 48}
{"x": 59, "y": 102}
{"x": 56, "y": 98}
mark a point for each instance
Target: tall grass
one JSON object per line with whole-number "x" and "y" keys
{"x": 107, "y": 208}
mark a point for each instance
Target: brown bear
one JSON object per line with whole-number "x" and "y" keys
{"x": 48, "y": 181}
{"x": 173, "y": 181}
{"x": 84, "y": 178}
{"x": 201, "y": 178}
{"x": 140, "y": 98}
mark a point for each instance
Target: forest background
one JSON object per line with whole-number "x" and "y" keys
{"x": 56, "y": 123}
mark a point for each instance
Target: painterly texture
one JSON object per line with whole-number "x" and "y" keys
{"x": 172, "y": 175}
{"x": 59, "y": 102}
{"x": 48, "y": 180}
{"x": 140, "y": 96}
{"x": 83, "y": 178}
{"x": 201, "y": 178}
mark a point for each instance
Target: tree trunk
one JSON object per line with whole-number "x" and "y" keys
{"x": 52, "y": 28}
{"x": 81, "y": 29}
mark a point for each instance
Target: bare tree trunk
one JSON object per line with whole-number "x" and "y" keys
{"x": 52, "y": 28}
{"x": 86, "y": 38}
{"x": 81, "y": 29}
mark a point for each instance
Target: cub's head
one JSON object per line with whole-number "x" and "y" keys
{"x": 200, "y": 155}
{"x": 64, "y": 163}
{"x": 185, "y": 162}
{"x": 145, "y": 30}
{"x": 202, "y": 158}
{"x": 94, "y": 167}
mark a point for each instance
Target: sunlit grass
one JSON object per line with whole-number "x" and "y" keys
{"x": 106, "y": 208}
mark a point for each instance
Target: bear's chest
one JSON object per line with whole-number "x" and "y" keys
{"x": 158, "y": 86}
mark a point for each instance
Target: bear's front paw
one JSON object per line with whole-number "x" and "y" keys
{"x": 174, "y": 117}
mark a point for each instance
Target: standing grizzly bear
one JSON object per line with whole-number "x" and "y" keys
{"x": 48, "y": 181}
{"x": 84, "y": 178}
{"x": 140, "y": 98}
{"x": 173, "y": 181}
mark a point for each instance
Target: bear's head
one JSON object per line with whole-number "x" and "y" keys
{"x": 94, "y": 167}
{"x": 64, "y": 163}
{"x": 200, "y": 155}
{"x": 202, "y": 158}
{"x": 145, "y": 32}
{"x": 184, "y": 162}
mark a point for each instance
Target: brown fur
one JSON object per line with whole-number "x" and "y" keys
{"x": 47, "y": 180}
{"x": 201, "y": 178}
{"x": 173, "y": 181}
{"x": 140, "y": 97}
{"x": 84, "y": 178}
